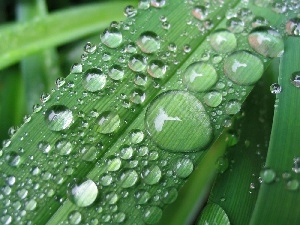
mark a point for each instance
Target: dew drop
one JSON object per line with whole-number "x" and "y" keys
{"x": 293, "y": 27}
{"x": 44, "y": 146}
{"x": 6, "y": 219}
{"x": 140, "y": 79}
{"x": 90, "y": 48}
{"x": 181, "y": 117}
{"x": 130, "y": 11}
{"x": 108, "y": 122}
{"x": 266, "y": 42}
{"x": 142, "y": 197}
{"x": 267, "y": 175}
{"x": 144, "y": 4}
{"x": 83, "y": 194}
{"x": 126, "y": 152}
{"x": 200, "y": 76}
{"x": 111, "y": 198}
{"x": 59, "y": 117}
{"x": 235, "y": 25}
{"x": 169, "y": 195}
{"x": 106, "y": 180}
{"x": 158, "y": 3}
{"x": 89, "y": 152}
{"x": 94, "y": 80}
{"x": 232, "y": 107}
{"x": 157, "y": 69}
{"x": 148, "y": 42}
{"x": 222, "y": 164}
{"x": 183, "y": 168}
{"x": 151, "y": 174}
{"x": 137, "y": 63}
{"x": 30, "y": 205}
{"x": 243, "y": 68}
{"x": 152, "y": 215}
{"x": 223, "y": 41}
{"x": 112, "y": 37}
{"x": 200, "y": 12}
{"x": 137, "y": 96}
{"x": 128, "y": 178}
{"x": 213, "y": 98}
{"x": 292, "y": 185}
{"x": 60, "y": 82}
{"x": 76, "y": 68}
{"x": 295, "y": 79}
{"x": 113, "y": 164}
{"x": 116, "y": 72}
{"x": 136, "y": 136}
{"x": 275, "y": 88}
{"x": 63, "y": 146}
{"x": 119, "y": 217}
{"x": 75, "y": 217}
{"x": 259, "y": 21}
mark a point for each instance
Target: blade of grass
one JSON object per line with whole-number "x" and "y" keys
{"x": 56, "y": 29}
{"x": 276, "y": 204}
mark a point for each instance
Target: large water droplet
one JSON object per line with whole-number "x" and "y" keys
{"x": 223, "y": 41}
{"x": 128, "y": 178}
{"x": 94, "y": 80}
{"x": 156, "y": 69}
{"x": 177, "y": 121}
{"x": 292, "y": 27}
{"x": 112, "y": 37}
{"x": 266, "y": 42}
{"x": 200, "y": 76}
{"x": 243, "y": 68}
{"x": 148, "y": 42}
{"x": 137, "y": 63}
{"x": 59, "y": 117}
{"x": 83, "y": 194}
{"x": 108, "y": 122}
{"x": 295, "y": 79}
{"x": 152, "y": 215}
{"x": 151, "y": 174}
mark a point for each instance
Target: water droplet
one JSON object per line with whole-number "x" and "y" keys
{"x": 142, "y": 197}
{"x": 148, "y": 42}
{"x": 137, "y": 63}
{"x": 130, "y": 11}
{"x": 295, "y": 79}
{"x": 75, "y": 217}
{"x": 108, "y": 122}
{"x": 243, "y": 68}
{"x": 266, "y": 42}
{"x": 183, "y": 168}
{"x": 111, "y": 198}
{"x": 144, "y": 4}
{"x": 259, "y": 21}
{"x": 119, "y": 217}
{"x": 136, "y": 136}
{"x": 126, "y": 152}
{"x": 138, "y": 96}
{"x": 158, "y": 3}
{"x": 169, "y": 195}
{"x": 213, "y": 98}
{"x": 44, "y": 146}
{"x": 182, "y": 118}
{"x": 63, "y": 146}
{"x": 200, "y": 76}
{"x": 232, "y": 107}
{"x": 90, "y": 48}
{"x": 275, "y": 88}
{"x": 31, "y": 205}
{"x": 106, "y": 180}
{"x": 60, "y": 82}
{"x": 89, "y": 152}
{"x": 151, "y": 174}
{"x": 6, "y": 219}
{"x": 292, "y": 185}
{"x": 200, "y": 12}
{"x": 157, "y": 69}
{"x": 140, "y": 79}
{"x": 128, "y": 178}
{"x": 293, "y": 27}
{"x": 152, "y": 215}
{"x": 235, "y": 25}
{"x": 94, "y": 80}
{"x": 83, "y": 194}
{"x": 59, "y": 117}
{"x": 113, "y": 164}
{"x": 223, "y": 41}
{"x": 116, "y": 72}
{"x": 76, "y": 68}
{"x": 267, "y": 175}
{"x": 112, "y": 37}
{"x": 45, "y": 97}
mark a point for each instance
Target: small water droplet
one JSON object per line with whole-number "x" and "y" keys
{"x": 275, "y": 88}
{"x": 148, "y": 42}
{"x": 200, "y": 12}
{"x": 136, "y": 136}
{"x": 94, "y": 80}
{"x": 45, "y": 97}
{"x": 128, "y": 178}
{"x": 60, "y": 82}
{"x": 157, "y": 69}
{"x": 108, "y": 122}
{"x": 63, "y": 146}
{"x": 292, "y": 185}
{"x": 112, "y": 37}
{"x": 137, "y": 63}
{"x": 169, "y": 195}
{"x": 151, "y": 174}
{"x": 126, "y": 152}
{"x": 30, "y": 205}
{"x": 213, "y": 98}
{"x": 183, "y": 168}
{"x": 140, "y": 79}
{"x": 158, "y": 3}
{"x": 75, "y": 217}
{"x": 223, "y": 41}
{"x": 90, "y": 48}
{"x": 200, "y": 76}
{"x": 44, "y": 146}
{"x": 232, "y": 107}
{"x": 83, "y": 194}
{"x": 222, "y": 164}
{"x": 295, "y": 79}
{"x": 267, "y": 175}
{"x": 266, "y": 42}
{"x": 138, "y": 96}
{"x": 152, "y": 215}
{"x": 130, "y": 11}
{"x": 235, "y": 25}
{"x": 119, "y": 217}
{"x": 142, "y": 197}
{"x": 144, "y": 4}
{"x": 59, "y": 117}
{"x": 76, "y": 68}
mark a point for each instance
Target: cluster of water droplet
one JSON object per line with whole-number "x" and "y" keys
{"x": 159, "y": 145}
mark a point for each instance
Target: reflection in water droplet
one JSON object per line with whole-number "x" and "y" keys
{"x": 275, "y": 88}
{"x": 295, "y": 79}
{"x": 116, "y": 72}
{"x": 267, "y": 175}
{"x": 112, "y": 37}
{"x": 200, "y": 76}
{"x": 182, "y": 115}
{"x": 108, "y": 122}
{"x": 243, "y": 68}
{"x": 128, "y": 178}
{"x": 94, "y": 80}
{"x": 183, "y": 168}
{"x": 151, "y": 174}
{"x": 223, "y": 41}
{"x": 137, "y": 63}
{"x": 200, "y": 12}
{"x": 83, "y": 194}
{"x": 59, "y": 117}
{"x": 266, "y": 42}
{"x": 157, "y": 69}
{"x": 148, "y": 42}
{"x": 152, "y": 215}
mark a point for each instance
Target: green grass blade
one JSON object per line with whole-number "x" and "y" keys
{"x": 277, "y": 201}
{"x": 58, "y": 28}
